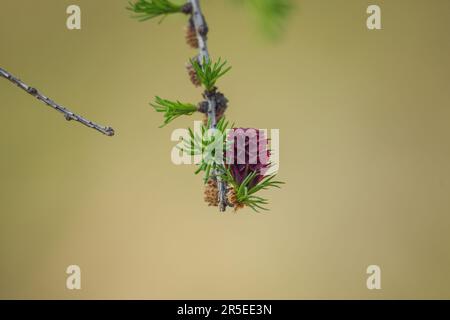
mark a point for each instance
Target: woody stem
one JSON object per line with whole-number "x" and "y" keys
{"x": 69, "y": 115}
{"x": 201, "y": 29}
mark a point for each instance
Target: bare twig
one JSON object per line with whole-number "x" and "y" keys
{"x": 69, "y": 115}
{"x": 201, "y": 28}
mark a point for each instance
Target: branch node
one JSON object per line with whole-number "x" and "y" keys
{"x": 32, "y": 91}
{"x": 187, "y": 8}
{"x": 203, "y": 30}
{"x": 203, "y": 106}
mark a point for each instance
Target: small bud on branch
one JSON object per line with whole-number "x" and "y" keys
{"x": 190, "y": 35}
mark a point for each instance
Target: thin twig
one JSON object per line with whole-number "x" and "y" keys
{"x": 69, "y": 115}
{"x": 201, "y": 28}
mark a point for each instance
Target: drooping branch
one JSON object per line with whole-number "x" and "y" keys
{"x": 201, "y": 28}
{"x": 69, "y": 115}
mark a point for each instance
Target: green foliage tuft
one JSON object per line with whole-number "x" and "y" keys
{"x": 149, "y": 9}
{"x": 199, "y": 144}
{"x": 172, "y": 109}
{"x": 271, "y": 15}
{"x": 247, "y": 195}
{"x": 208, "y": 72}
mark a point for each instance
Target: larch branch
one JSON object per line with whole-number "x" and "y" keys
{"x": 69, "y": 115}
{"x": 201, "y": 28}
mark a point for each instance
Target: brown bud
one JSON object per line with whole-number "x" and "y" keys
{"x": 233, "y": 200}
{"x": 191, "y": 36}
{"x": 221, "y": 104}
{"x": 193, "y": 75}
{"x": 211, "y": 194}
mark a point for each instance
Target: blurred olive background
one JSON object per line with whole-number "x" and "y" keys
{"x": 365, "y": 154}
